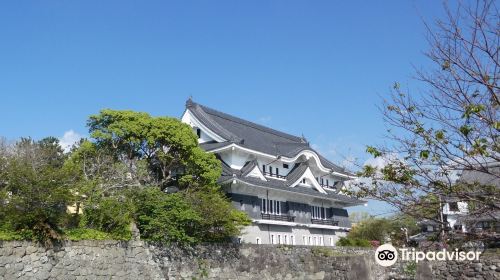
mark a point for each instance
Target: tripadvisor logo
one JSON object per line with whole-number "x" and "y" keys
{"x": 387, "y": 255}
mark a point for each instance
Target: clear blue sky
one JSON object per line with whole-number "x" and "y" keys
{"x": 311, "y": 67}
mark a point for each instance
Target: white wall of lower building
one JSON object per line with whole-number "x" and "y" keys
{"x": 278, "y": 234}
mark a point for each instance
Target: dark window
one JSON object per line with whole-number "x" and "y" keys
{"x": 453, "y": 206}
{"x": 322, "y": 181}
{"x": 277, "y": 171}
{"x": 263, "y": 168}
{"x": 285, "y": 165}
{"x": 271, "y": 170}
{"x": 198, "y": 132}
{"x": 326, "y": 182}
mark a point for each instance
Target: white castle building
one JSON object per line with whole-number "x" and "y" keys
{"x": 292, "y": 194}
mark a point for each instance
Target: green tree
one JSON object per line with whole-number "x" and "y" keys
{"x": 395, "y": 229}
{"x": 165, "y": 144}
{"x": 34, "y": 189}
{"x": 133, "y": 152}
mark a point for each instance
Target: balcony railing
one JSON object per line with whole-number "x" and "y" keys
{"x": 328, "y": 222}
{"x": 274, "y": 175}
{"x": 285, "y": 218}
{"x": 332, "y": 187}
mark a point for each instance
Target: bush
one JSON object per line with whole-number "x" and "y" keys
{"x": 90, "y": 234}
{"x": 187, "y": 216}
{"x": 220, "y": 221}
{"x": 34, "y": 190}
{"x": 8, "y": 235}
{"x": 353, "y": 242}
{"x": 112, "y": 215}
{"x": 166, "y": 217}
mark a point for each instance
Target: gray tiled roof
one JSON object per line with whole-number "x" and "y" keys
{"x": 252, "y": 135}
{"x": 248, "y": 167}
{"x": 491, "y": 177}
{"x": 279, "y": 185}
{"x": 228, "y": 174}
{"x": 295, "y": 173}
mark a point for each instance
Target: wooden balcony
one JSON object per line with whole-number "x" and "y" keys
{"x": 284, "y": 218}
{"x": 327, "y": 222}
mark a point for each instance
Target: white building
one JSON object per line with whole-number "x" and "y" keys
{"x": 292, "y": 193}
{"x": 455, "y": 212}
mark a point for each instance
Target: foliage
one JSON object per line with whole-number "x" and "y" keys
{"x": 117, "y": 177}
{"x": 353, "y": 242}
{"x": 34, "y": 189}
{"x": 186, "y": 217}
{"x": 379, "y": 230}
{"x": 109, "y": 214}
{"x": 162, "y": 144}
{"x": 219, "y": 220}
{"x": 8, "y": 234}
{"x": 371, "y": 229}
{"x": 450, "y": 126}
{"x": 76, "y": 234}
{"x": 135, "y": 157}
{"x": 166, "y": 217}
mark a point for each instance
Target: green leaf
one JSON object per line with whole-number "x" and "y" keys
{"x": 424, "y": 154}
{"x": 373, "y": 151}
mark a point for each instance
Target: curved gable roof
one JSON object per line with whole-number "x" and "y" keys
{"x": 253, "y": 136}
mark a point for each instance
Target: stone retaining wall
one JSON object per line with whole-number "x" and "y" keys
{"x": 138, "y": 260}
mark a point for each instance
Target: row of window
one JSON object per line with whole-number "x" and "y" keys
{"x": 280, "y": 239}
{"x": 270, "y": 206}
{"x": 318, "y": 212}
{"x": 290, "y": 240}
{"x": 322, "y": 181}
{"x": 317, "y": 240}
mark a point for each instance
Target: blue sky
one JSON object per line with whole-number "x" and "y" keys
{"x": 317, "y": 68}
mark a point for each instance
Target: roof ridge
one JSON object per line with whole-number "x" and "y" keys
{"x": 251, "y": 124}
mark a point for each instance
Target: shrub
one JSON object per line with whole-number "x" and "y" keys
{"x": 34, "y": 190}
{"x": 90, "y": 234}
{"x": 353, "y": 242}
{"x": 112, "y": 215}
{"x": 166, "y": 217}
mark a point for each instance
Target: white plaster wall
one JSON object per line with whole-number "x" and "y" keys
{"x": 189, "y": 119}
{"x": 462, "y": 209}
{"x": 264, "y": 232}
{"x": 235, "y": 159}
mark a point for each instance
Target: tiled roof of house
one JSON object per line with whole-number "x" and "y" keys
{"x": 491, "y": 177}
{"x": 253, "y": 136}
{"x": 296, "y": 173}
{"x": 228, "y": 174}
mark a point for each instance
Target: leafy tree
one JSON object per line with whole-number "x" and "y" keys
{"x": 395, "y": 228}
{"x": 450, "y": 126}
{"x": 135, "y": 153}
{"x": 34, "y": 189}
{"x": 164, "y": 144}
{"x": 371, "y": 229}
